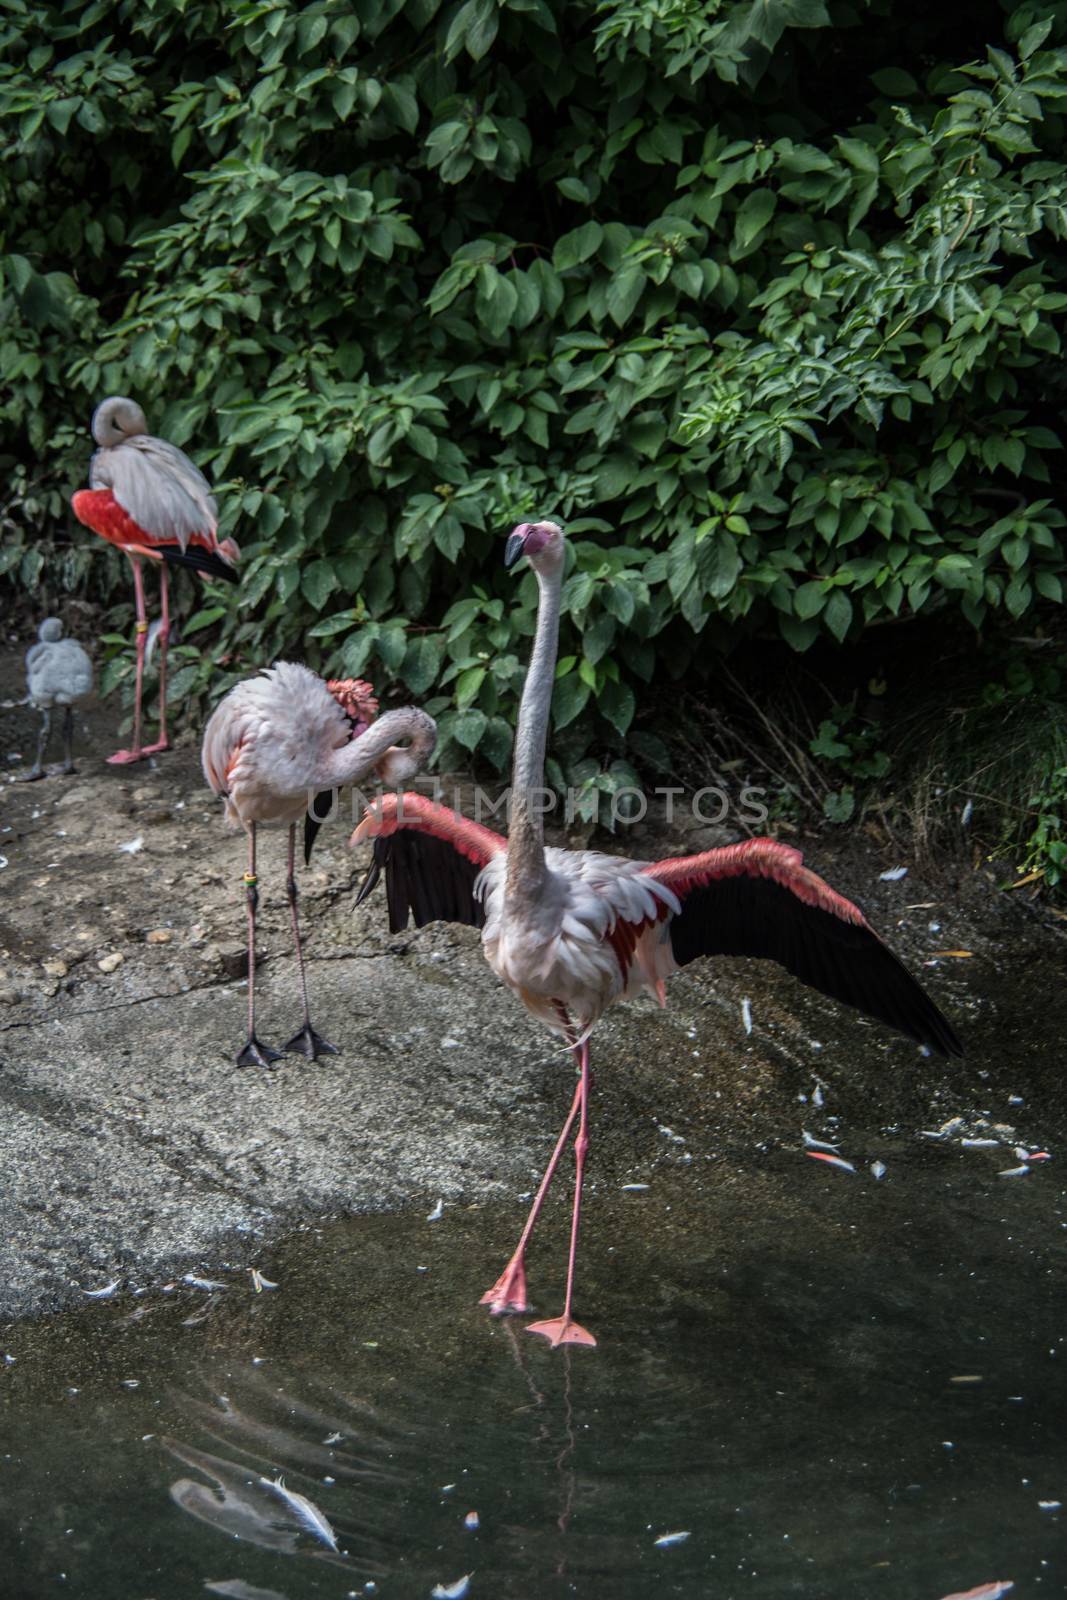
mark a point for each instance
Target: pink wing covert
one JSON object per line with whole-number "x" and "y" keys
{"x": 431, "y": 858}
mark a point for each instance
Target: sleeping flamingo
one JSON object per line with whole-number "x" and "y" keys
{"x": 270, "y": 746}
{"x": 148, "y": 499}
{"x": 571, "y": 931}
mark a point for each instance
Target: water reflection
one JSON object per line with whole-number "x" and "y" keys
{"x": 237, "y": 1589}
{"x": 866, "y": 1402}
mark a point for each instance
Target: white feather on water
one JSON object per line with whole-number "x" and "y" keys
{"x": 452, "y": 1591}
{"x": 306, "y": 1512}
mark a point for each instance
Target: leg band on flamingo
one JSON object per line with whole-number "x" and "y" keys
{"x": 162, "y": 743}
{"x": 254, "y": 1053}
{"x": 124, "y": 758}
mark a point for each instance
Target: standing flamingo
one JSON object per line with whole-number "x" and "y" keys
{"x": 147, "y": 498}
{"x": 571, "y": 931}
{"x": 58, "y": 673}
{"x": 270, "y": 746}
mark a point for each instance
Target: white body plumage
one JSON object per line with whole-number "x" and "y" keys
{"x": 265, "y": 743}
{"x": 558, "y": 950}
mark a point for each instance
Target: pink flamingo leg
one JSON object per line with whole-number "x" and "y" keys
{"x": 508, "y": 1293}
{"x": 162, "y": 743}
{"x": 254, "y": 1053}
{"x": 123, "y": 758}
{"x": 564, "y": 1329}
{"x": 307, "y": 1042}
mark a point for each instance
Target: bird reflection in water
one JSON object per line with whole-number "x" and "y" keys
{"x": 270, "y": 1488}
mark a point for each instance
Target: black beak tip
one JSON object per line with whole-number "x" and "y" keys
{"x": 514, "y": 548}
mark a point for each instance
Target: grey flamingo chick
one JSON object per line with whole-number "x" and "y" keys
{"x": 573, "y": 931}
{"x": 149, "y": 500}
{"x": 271, "y": 745}
{"x": 58, "y": 673}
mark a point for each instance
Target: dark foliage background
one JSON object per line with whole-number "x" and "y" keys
{"x": 765, "y": 298}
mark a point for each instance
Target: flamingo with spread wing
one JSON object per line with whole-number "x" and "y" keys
{"x": 572, "y": 931}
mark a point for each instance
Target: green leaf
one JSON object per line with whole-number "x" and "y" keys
{"x": 623, "y": 292}
{"x": 468, "y": 726}
{"x": 859, "y": 155}
{"x": 203, "y": 619}
{"x": 754, "y": 214}
{"x": 573, "y": 189}
{"x": 719, "y": 563}
{"x": 575, "y": 247}
{"x": 422, "y": 661}
{"x": 894, "y": 82}
{"x": 568, "y": 699}
{"x": 598, "y": 638}
{"x": 496, "y": 301}
{"x": 809, "y": 599}
{"x": 474, "y": 28}
{"x": 839, "y": 807}
{"x": 837, "y": 614}
{"x": 318, "y": 581}
{"x": 616, "y": 702}
{"x": 468, "y": 684}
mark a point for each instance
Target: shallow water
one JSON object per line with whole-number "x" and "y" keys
{"x": 782, "y": 1349}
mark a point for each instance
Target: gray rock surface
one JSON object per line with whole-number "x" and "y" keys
{"x": 132, "y": 1146}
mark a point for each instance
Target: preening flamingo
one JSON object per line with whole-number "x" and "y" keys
{"x": 148, "y": 499}
{"x": 271, "y": 745}
{"x": 571, "y": 931}
{"x": 58, "y": 673}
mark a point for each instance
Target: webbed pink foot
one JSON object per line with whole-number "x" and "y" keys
{"x": 508, "y": 1295}
{"x": 562, "y": 1330}
{"x": 125, "y": 758}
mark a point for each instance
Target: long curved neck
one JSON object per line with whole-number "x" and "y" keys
{"x": 375, "y": 747}
{"x": 526, "y": 839}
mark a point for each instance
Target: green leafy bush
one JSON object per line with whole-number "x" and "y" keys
{"x": 764, "y": 298}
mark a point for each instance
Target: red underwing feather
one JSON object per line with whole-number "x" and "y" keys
{"x": 99, "y": 510}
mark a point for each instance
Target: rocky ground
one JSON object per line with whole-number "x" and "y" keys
{"x": 131, "y": 1146}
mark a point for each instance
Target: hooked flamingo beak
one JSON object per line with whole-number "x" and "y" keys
{"x": 516, "y": 544}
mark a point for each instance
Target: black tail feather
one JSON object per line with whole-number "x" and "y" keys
{"x": 206, "y": 562}
{"x": 318, "y": 812}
